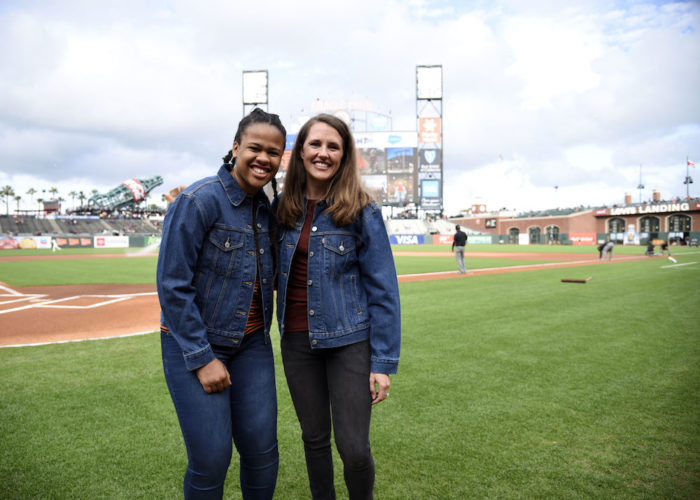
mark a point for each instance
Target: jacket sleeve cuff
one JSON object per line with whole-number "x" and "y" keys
{"x": 199, "y": 358}
{"x": 386, "y": 366}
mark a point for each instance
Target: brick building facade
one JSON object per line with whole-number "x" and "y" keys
{"x": 675, "y": 221}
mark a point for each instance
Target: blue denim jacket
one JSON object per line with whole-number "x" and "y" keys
{"x": 353, "y": 293}
{"x": 206, "y": 266}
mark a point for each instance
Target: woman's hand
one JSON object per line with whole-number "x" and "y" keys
{"x": 379, "y": 387}
{"x": 214, "y": 376}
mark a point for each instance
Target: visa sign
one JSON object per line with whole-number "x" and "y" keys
{"x": 407, "y": 239}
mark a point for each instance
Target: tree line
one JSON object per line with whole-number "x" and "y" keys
{"x": 8, "y": 194}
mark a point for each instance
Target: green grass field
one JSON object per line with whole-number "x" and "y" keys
{"x": 510, "y": 386}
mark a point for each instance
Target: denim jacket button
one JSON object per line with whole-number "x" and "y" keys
{"x": 314, "y": 342}
{"x": 311, "y": 312}
{"x": 311, "y": 254}
{"x": 262, "y": 251}
{"x": 259, "y": 226}
{"x": 310, "y": 282}
{"x": 314, "y": 229}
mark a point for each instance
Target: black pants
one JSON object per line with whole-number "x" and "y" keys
{"x": 332, "y": 384}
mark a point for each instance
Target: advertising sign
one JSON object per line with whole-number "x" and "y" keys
{"x": 430, "y": 160}
{"x": 407, "y": 239}
{"x": 581, "y": 239}
{"x": 480, "y": 239}
{"x": 73, "y": 242}
{"x": 429, "y": 130}
{"x": 383, "y": 140}
{"x": 443, "y": 239}
{"x": 111, "y": 242}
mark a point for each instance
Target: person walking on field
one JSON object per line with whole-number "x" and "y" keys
{"x": 215, "y": 279}
{"x": 337, "y": 305}
{"x": 458, "y": 243}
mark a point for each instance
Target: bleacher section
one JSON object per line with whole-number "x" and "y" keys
{"x": 29, "y": 225}
{"x": 417, "y": 226}
{"x": 406, "y": 226}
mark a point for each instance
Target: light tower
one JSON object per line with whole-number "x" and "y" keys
{"x": 255, "y": 90}
{"x": 429, "y": 126}
{"x": 688, "y": 179}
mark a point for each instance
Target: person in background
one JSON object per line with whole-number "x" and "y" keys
{"x": 337, "y": 305}
{"x": 666, "y": 248}
{"x": 459, "y": 242}
{"x": 606, "y": 250}
{"x": 649, "y": 251}
{"x": 215, "y": 279}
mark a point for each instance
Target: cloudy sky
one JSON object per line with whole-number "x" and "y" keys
{"x": 537, "y": 93}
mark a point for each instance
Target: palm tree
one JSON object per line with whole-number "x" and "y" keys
{"x": 7, "y": 192}
{"x": 31, "y": 192}
{"x": 72, "y": 195}
{"x": 53, "y": 191}
{"x": 81, "y": 197}
{"x": 17, "y": 198}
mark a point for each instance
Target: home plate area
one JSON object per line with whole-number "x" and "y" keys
{"x": 32, "y": 315}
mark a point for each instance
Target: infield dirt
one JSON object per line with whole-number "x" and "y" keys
{"x": 43, "y": 314}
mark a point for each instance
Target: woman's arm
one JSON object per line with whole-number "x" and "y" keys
{"x": 378, "y": 278}
{"x": 184, "y": 230}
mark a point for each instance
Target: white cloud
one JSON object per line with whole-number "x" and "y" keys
{"x": 573, "y": 96}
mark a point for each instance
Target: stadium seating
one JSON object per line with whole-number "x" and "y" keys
{"x": 30, "y": 225}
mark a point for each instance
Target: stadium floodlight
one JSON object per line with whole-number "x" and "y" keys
{"x": 429, "y": 82}
{"x": 255, "y": 87}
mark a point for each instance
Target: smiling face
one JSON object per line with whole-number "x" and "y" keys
{"x": 322, "y": 155}
{"x": 257, "y": 156}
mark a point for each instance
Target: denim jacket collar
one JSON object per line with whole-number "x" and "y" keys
{"x": 234, "y": 191}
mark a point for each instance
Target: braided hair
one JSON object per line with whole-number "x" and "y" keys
{"x": 260, "y": 116}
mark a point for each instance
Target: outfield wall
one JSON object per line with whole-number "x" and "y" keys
{"x": 77, "y": 241}
{"x": 576, "y": 239}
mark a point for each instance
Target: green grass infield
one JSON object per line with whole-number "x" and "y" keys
{"x": 510, "y": 386}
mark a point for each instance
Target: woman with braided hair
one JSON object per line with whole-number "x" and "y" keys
{"x": 215, "y": 280}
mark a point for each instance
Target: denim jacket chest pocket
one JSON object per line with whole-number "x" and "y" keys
{"x": 341, "y": 266}
{"x": 222, "y": 251}
{"x": 339, "y": 253}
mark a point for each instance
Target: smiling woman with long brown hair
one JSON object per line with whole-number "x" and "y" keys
{"x": 337, "y": 304}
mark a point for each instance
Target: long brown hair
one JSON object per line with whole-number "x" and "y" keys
{"x": 346, "y": 197}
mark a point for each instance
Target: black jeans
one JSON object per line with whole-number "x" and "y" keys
{"x": 332, "y": 384}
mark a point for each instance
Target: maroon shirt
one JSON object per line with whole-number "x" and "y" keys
{"x": 295, "y": 314}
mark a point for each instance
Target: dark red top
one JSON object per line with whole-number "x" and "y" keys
{"x": 295, "y": 319}
{"x": 255, "y": 315}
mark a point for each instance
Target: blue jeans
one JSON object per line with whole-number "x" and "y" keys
{"x": 336, "y": 379}
{"x": 244, "y": 413}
